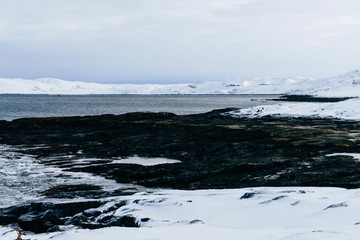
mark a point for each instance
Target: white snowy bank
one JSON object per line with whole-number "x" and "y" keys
{"x": 251, "y": 213}
{"x": 349, "y": 110}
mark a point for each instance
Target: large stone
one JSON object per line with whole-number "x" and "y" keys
{"x": 33, "y": 222}
{"x": 41, "y": 217}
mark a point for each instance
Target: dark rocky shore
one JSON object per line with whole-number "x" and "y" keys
{"x": 309, "y": 98}
{"x": 215, "y": 150}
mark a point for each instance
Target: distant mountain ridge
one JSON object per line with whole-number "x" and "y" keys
{"x": 347, "y": 84}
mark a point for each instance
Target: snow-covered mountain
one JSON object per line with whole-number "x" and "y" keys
{"x": 347, "y": 84}
{"x": 58, "y": 86}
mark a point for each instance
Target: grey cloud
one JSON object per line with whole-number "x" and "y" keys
{"x": 188, "y": 40}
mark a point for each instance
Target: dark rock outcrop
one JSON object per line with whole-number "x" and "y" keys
{"x": 43, "y": 216}
{"x": 47, "y": 216}
{"x": 217, "y": 151}
{"x": 309, "y": 98}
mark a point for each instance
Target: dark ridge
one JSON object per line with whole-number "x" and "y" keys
{"x": 309, "y": 98}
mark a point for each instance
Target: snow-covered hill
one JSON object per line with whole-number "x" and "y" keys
{"x": 347, "y": 84}
{"x": 57, "y": 86}
{"x": 344, "y": 85}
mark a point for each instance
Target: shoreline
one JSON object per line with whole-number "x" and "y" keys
{"x": 207, "y": 151}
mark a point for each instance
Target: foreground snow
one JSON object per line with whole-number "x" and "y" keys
{"x": 347, "y": 84}
{"x": 348, "y": 110}
{"x": 257, "y": 213}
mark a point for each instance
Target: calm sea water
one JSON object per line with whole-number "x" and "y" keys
{"x": 22, "y": 179}
{"x": 21, "y": 106}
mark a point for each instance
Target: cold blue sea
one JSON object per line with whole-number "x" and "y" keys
{"x": 23, "y": 106}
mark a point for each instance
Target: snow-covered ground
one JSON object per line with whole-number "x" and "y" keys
{"x": 347, "y": 84}
{"x": 349, "y": 109}
{"x": 289, "y": 213}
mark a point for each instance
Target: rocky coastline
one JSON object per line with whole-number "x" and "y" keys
{"x": 216, "y": 151}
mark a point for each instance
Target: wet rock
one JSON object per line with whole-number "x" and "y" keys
{"x": 92, "y": 213}
{"x": 41, "y": 216}
{"x": 145, "y": 219}
{"x": 10, "y": 215}
{"x": 105, "y": 219}
{"x": 124, "y": 221}
{"x": 92, "y": 225}
{"x": 79, "y": 191}
{"x": 77, "y": 220}
{"x": 274, "y": 199}
{"x": 72, "y": 208}
{"x": 85, "y": 220}
{"x": 54, "y": 228}
{"x": 6, "y": 219}
{"x": 51, "y": 216}
{"x": 343, "y": 204}
{"x": 71, "y": 191}
{"x": 37, "y": 222}
{"x": 248, "y": 195}
{"x": 115, "y": 206}
{"x": 197, "y": 221}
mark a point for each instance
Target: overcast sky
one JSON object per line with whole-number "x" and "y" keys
{"x": 168, "y": 41}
